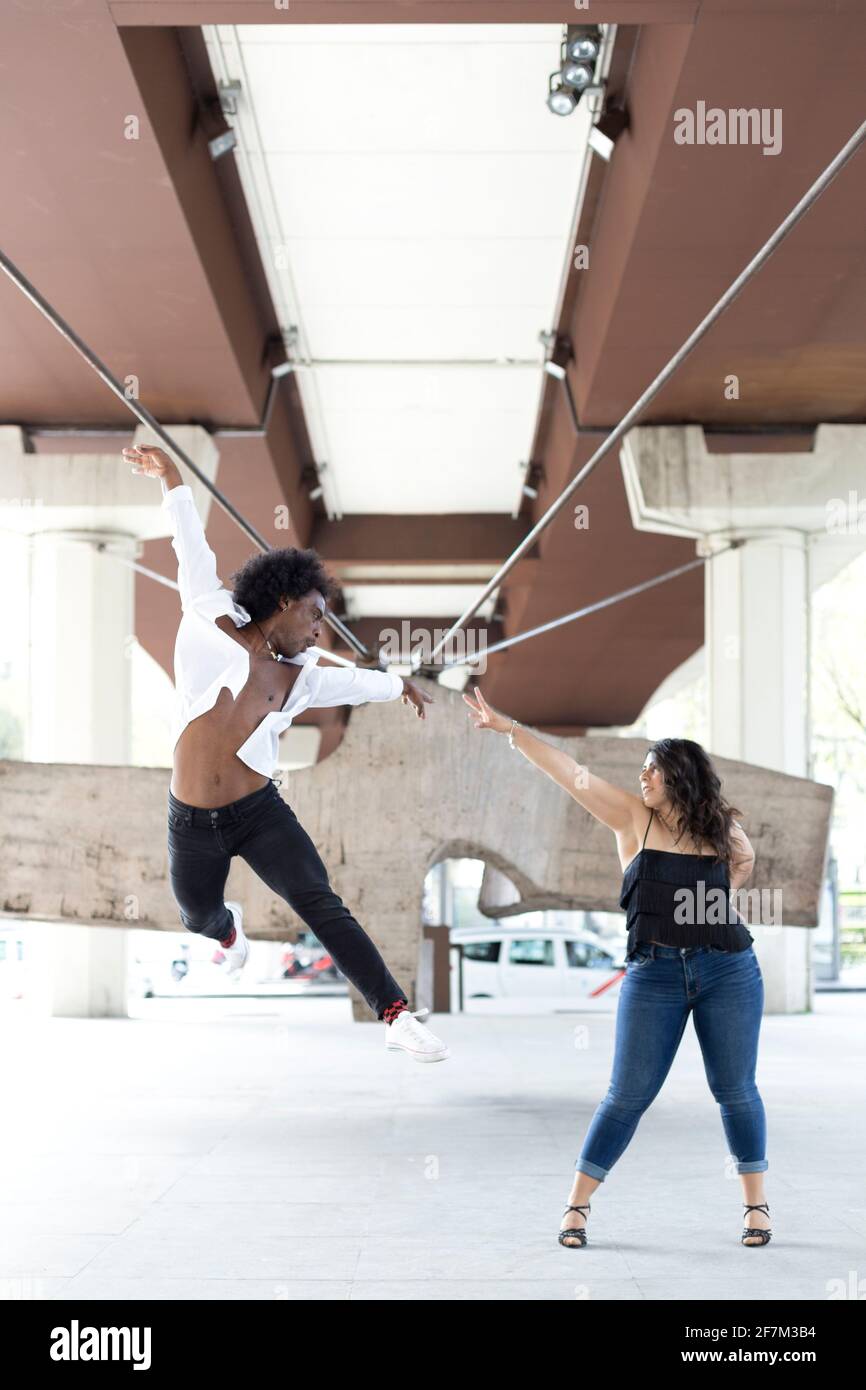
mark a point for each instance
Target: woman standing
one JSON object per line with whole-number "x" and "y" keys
{"x": 688, "y": 951}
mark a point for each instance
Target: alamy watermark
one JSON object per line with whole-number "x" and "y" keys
{"x": 739, "y": 125}
{"x": 401, "y": 648}
{"x": 711, "y": 906}
{"x": 77, "y": 1343}
{"x": 846, "y": 518}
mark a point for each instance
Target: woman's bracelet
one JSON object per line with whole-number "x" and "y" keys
{"x": 511, "y": 733}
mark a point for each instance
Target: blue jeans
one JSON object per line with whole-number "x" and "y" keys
{"x": 661, "y": 987}
{"x": 264, "y": 830}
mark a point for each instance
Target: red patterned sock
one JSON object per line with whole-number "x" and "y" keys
{"x": 233, "y": 934}
{"x": 394, "y": 1010}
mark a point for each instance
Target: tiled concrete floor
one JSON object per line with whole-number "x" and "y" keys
{"x": 276, "y": 1151}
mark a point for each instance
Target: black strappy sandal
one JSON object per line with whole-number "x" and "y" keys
{"x": 577, "y": 1233}
{"x": 756, "y": 1230}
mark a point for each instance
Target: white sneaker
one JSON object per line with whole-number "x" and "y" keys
{"x": 406, "y": 1034}
{"x": 235, "y": 956}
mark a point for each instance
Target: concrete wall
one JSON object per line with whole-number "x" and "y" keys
{"x": 87, "y": 844}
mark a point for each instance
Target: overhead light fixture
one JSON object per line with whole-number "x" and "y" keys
{"x": 560, "y": 99}
{"x": 583, "y": 44}
{"x": 579, "y": 54}
{"x": 577, "y": 75}
{"x": 283, "y": 369}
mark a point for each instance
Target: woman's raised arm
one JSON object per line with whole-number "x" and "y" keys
{"x": 619, "y": 810}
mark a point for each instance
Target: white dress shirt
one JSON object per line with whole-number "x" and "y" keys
{"x": 206, "y": 658}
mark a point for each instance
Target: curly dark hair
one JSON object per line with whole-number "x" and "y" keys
{"x": 259, "y": 583}
{"x": 695, "y": 792}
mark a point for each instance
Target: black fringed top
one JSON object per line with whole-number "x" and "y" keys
{"x": 704, "y": 916}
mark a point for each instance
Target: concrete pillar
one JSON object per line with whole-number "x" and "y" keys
{"x": 778, "y": 508}
{"x": 86, "y": 516}
{"x": 81, "y": 623}
{"x": 81, "y": 620}
{"x": 757, "y": 626}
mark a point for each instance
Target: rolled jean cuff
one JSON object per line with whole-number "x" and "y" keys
{"x": 760, "y": 1165}
{"x": 592, "y": 1170}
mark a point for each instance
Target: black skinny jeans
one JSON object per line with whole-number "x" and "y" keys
{"x": 265, "y": 832}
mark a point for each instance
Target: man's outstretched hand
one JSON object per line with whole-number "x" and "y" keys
{"x": 153, "y": 461}
{"x": 415, "y": 696}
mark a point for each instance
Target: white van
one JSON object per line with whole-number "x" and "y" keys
{"x": 554, "y": 967}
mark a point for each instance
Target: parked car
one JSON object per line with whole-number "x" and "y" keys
{"x": 557, "y": 966}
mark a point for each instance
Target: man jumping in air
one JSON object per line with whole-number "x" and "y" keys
{"x": 243, "y": 671}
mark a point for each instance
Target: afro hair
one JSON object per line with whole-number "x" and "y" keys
{"x": 259, "y": 583}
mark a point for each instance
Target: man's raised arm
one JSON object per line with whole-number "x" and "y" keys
{"x": 196, "y": 562}
{"x": 352, "y": 685}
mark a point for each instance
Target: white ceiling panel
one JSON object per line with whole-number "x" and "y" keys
{"x": 429, "y": 331}
{"x": 413, "y": 199}
{"x": 436, "y": 92}
{"x": 423, "y": 270}
{"x": 489, "y": 194}
{"x": 419, "y": 601}
{"x": 446, "y": 440}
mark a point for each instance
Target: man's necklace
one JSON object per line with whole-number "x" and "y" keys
{"x": 275, "y": 654}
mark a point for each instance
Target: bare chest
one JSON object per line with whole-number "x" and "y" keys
{"x": 268, "y": 685}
